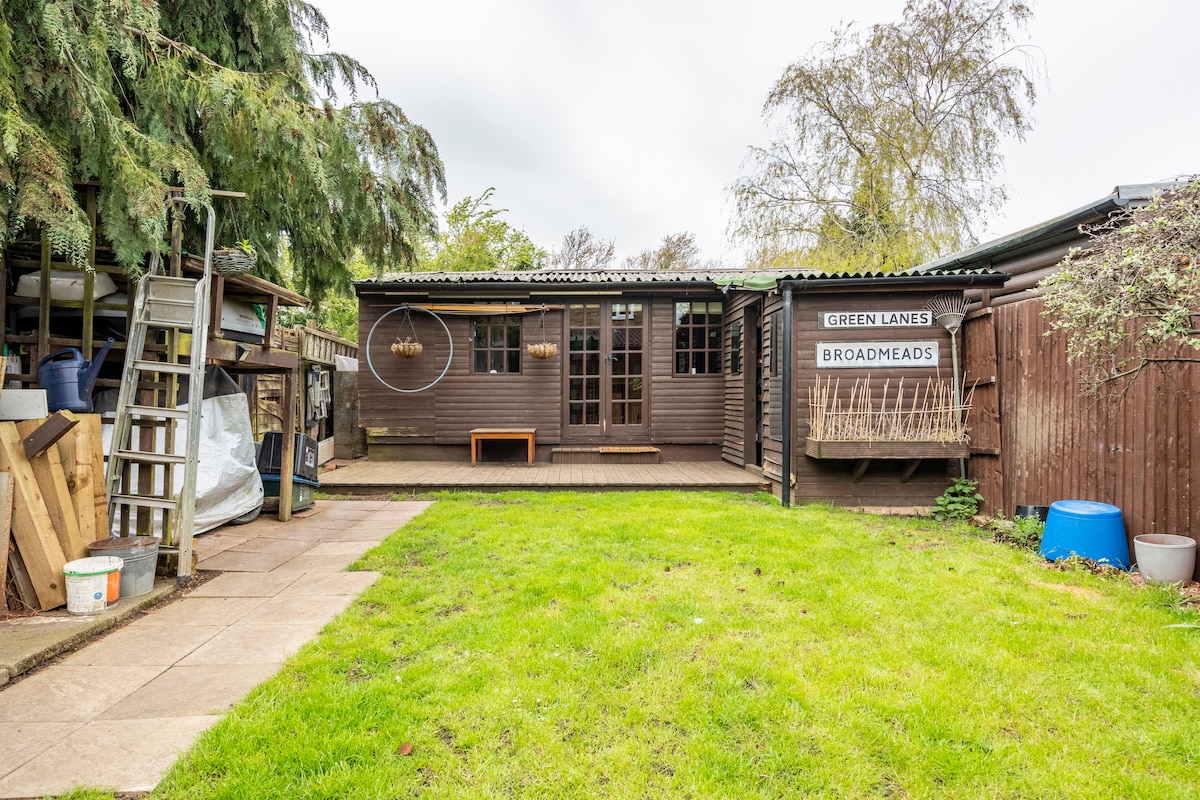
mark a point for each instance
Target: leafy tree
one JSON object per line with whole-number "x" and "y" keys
{"x": 476, "y": 238}
{"x": 1131, "y": 298}
{"x": 888, "y": 142}
{"x": 677, "y": 251}
{"x": 144, "y": 96}
{"x": 583, "y": 251}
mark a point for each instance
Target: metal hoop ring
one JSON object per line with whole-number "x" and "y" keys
{"x": 449, "y": 357}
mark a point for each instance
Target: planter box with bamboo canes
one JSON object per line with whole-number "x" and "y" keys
{"x": 923, "y": 423}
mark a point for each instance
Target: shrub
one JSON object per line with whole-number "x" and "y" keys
{"x": 1024, "y": 533}
{"x": 959, "y": 502}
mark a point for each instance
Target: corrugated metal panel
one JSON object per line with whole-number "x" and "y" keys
{"x": 571, "y": 277}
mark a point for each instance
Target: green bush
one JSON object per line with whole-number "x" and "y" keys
{"x": 959, "y": 502}
{"x": 1024, "y": 533}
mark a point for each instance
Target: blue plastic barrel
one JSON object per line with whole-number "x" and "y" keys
{"x": 1085, "y": 529}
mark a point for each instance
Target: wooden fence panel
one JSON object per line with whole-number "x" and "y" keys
{"x": 1137, "y": 452}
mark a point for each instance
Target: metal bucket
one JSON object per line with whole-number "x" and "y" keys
{"x": 140, "y": 554}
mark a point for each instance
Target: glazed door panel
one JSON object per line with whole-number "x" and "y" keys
{"x": 606, "y": 395}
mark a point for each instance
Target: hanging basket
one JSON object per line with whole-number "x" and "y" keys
{"x": 234, "y": 261}
{"x": 407, "y": 349}
{"x": 543, "y": 350}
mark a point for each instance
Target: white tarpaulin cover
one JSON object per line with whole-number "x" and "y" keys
{"x": 227, "y": 481}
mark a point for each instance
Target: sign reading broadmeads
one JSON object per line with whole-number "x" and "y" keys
{"x": 875, "y": 319}
{"x": 850, "y": 355}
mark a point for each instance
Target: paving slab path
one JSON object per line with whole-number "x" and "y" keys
{"x": 118, "y": 711}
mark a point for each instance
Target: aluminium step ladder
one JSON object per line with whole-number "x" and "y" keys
{"x": 150, "y": 484}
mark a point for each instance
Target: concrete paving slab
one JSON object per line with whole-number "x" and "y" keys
{"x": 353, "y": 548}
{"x": 333, "y": 583}
{"x": 192, "y": 610}
{"x": 306, "y": 563}
{"x": 356, "y": 534}
{"x": 298, "y": 606}
{"x": 170, "y": 672}
{"x": 215, "y": 542}
{"x": 192, "y": 691}
{"x": 402, "y": 511}
{"x": 376, "y": 529}
{"x": 69, "y": 693}
{"x": 25, "y": 740}
{"x": 117, "y": 755}
{"x": 244, "y": 584}
{"x": 320, "y": 524}
{"x": 237, "y": 561}
{"x": 242, "y": 643}
{"x": 289, "y": 547}
{"x": 26, "y": 642}
{"x": 369, "y": 505}
{"x": 146, "y": 645}
{"x": 344, "y": 511}
{"x": 301, "y": 532}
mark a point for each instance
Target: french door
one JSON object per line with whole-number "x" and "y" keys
{"x": 606, "y": 386}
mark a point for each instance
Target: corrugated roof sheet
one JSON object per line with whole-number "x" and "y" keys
{"x": 637, "y": 276}
{"x": 1121, "y": 196}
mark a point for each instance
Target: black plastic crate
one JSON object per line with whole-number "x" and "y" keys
{"x": 270, "y": 457}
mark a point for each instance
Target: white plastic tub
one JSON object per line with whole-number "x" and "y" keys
{"x": 93, "y": 584}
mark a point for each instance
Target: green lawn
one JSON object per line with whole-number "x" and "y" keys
{"x": 717, "y": 646}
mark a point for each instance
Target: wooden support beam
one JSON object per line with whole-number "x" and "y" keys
{"x": 6, "y": 507}
{"x": 56, "y": 494}
{"x": 910, "y": 467}
{"x": 83, "y": 464}
{"x": 43, "y": 331}
{"x": 287, "y": 465}
{"x": 32, "y": 530}
{"x": 860, "y": 469}
{"x": 49, "y": 432}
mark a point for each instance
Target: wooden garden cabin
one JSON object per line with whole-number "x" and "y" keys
{"x": 658, "y": 365}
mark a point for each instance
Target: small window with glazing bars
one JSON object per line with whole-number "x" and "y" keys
{"x": 697, "y": 338}
{"x": 496, "y": 345}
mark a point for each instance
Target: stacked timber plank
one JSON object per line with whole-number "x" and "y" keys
{"x": 57, "y": 504}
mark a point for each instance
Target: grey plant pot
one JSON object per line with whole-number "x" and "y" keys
{"x": 1165, "y": 557}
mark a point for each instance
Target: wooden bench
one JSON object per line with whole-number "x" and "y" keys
{"x": 480, "y": 435}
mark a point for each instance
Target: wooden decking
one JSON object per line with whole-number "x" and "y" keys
{"x": 408, "y": 477}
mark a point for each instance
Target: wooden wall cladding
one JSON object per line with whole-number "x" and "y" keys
{"x": 883, "y": 483}
{"x": 684, "y": 410}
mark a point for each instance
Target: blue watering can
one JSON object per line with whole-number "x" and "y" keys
{"x": 68, "y": 382}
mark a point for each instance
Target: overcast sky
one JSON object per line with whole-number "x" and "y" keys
{"x": 633, "y": 117}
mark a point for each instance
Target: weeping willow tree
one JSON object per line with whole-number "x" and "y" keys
{"x": 888, "y": 140}
{"x": 142, "y": 96}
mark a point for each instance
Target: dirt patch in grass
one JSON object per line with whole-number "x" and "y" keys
{"x": 1082, "y": 591}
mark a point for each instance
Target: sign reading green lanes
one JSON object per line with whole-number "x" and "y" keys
{"x": 875, "y": 319}
{"x": 850, "y": 355}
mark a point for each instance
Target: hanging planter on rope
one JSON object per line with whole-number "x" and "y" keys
{"x": 236, "y": 260}
{"x": 410, "y": 347}
{"x": 407, "y": 348}
{"x": 543, "y": 350}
